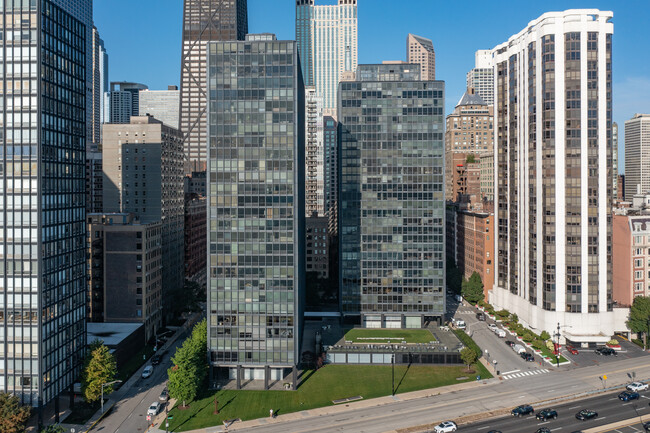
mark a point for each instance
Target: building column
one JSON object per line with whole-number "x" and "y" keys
{"x": 267, "y": 371}
{"x": 294, "y": 374}
{"x": 56, "y": 409}
{"x": 239, "y": 373}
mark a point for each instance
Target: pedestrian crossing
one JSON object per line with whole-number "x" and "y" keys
{"x": 524, "y": 374}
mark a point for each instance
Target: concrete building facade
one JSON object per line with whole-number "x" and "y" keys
{"x": 420, "y": 50}
{"x": 314, "y": 155}
{"x": 125, "y": 283}
{"x": 553, "y": 167}
{"x": 637, "y": 154}
{"x": 481, "y": 77}
{"x": 123, "y": 101}
{"x": 164, "y": 105}
{"x": 317, "y": 246}
{"x": 391, "y": 202}
{"x": 331, "y": 176}
{"x": 203, "y": 21}
{"x": 327, "y": 43}
{"x": 143, "y": 175}
{"x": 256, "y": 210}
{"x": 94, "y": 182}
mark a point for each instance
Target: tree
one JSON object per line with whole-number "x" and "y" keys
{"x": 190, "y": 365}
{"x": 469, "y": 356}
{"x": 101, "y": 369}
{"x": 471, "y": 159}
{"x": 544, "y": 335}
{"x": 639, "y": 321}
{"x": 514, "y": 318}
{"x": 472, "y": 289}
{"x": 53, "y": 429}
{"x": 13, "y": 416}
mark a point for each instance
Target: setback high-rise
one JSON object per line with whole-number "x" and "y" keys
{"x": 637, "y": 155}
{"x": 256, "y": 209}
{"x": 481, "y": 77}
{"x": 420, "y": 50}
{"x": 553, "y": 165}
{"x": 203, "y": 21}
{"x": 327, "y": 43}
{"x": 43, "y": 283}
{"x": 161, "y": 104}
{"x": 391, "y": 202}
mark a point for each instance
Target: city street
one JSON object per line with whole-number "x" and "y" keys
{"x": 129, "y": 415}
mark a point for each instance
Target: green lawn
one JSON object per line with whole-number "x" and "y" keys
{"x": 366, "y": 335}
{"x": 319, "y": 389}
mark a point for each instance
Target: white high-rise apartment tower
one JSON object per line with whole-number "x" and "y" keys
{"x": 637, "y": 155}
{"x": 481, "y": 77}
{"x": 327, "y": 45}
{"x": 553, "y": 168}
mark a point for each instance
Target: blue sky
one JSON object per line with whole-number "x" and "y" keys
{"x": 143, "y": 37}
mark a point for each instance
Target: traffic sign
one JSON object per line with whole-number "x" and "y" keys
{"x": 170, "y": 417}
{"x": 605, "y": 376}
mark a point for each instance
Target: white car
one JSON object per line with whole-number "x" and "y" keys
{"x": 637, "y": 386}
{"x": 446, "y": 426}
{"x": 147, "y": 372}
{"x": 154, "y": 408}
{"x": 493, "y": 327}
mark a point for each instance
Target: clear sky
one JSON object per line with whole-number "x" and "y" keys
{"x": 143, "y": 37}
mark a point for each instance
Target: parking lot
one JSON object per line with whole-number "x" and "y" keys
{"x": 587, "y": 357}
{"x": 637, "y": 428}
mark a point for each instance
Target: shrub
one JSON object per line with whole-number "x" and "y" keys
{"x": 538, "y": 344}
{"x": 528, "y": 337}
{"x": 550, "y": 345}
{"x": 544, "y": 335}
{"x": 613, "y": 342}
{"x": 520, "y": 332}
{"x": 502, "y": 313}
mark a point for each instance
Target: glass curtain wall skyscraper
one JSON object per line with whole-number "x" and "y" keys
{"x": 203, "y": 21}
{"x": 553, "y": 189}
{"x": 256, "y": 208}
{"x": 327, "y": 44}
{"x": 43, "y": 293}
{"x": 391, "y": 202}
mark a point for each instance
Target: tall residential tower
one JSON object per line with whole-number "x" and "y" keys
{"x": 327, "y": 44}
{"x": 481, "y": 77}
{"x": 203, "y": 21}
{"x": 553, "y": 156}
{"x": 420, "y": 50}
{"x": 637, "y": 155}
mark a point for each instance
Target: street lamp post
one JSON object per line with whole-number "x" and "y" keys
{"x": 392, "y": 362}
{"x": 107, "y": 384}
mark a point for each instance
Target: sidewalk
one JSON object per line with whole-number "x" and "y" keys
{"x": 126, "y": 387}
{"x": 335, "y": 410}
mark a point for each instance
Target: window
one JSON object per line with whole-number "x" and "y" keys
{"x": 638, "y": 275}
{"x": 638, "y": 287}
{"x": 638, "y": 263}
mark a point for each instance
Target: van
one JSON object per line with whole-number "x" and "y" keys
{"x": 500, "y": 333}
{"x": 460, "y": 324}
{"x": 518, "y": 348}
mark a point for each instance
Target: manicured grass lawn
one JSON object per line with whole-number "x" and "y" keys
{"x": 550, "y": 354}
{"x": 359, "y": 335}
{"x": 319, "y": 389}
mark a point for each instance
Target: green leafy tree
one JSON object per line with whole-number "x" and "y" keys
{"x": 53, "y": 429}
{"x": 13, "y": 416}
{"x": 639, "y": 321}
{"x": 469, "y": 356}
{"x": 190, "y": 365}
{"x": 544, "y": 336}
{"x": 472, "y": 289}
{"x": 471, "y": 159}
{"x": 101, "y": 369}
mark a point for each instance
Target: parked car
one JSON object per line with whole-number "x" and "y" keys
{"x": 493, "y": 327}
{"x": 154, "y": 408}
{"x": 637, "y": 386}
{"x": 524, "y": 409}
{"x": 542, "y": 430}
{"x": 480, "y": 316}
{"x": 646, "y": 426}
{"x": 628, "y": 395}
{"x": 572, "y": 350}
{"x": 446, "y": 426}
{"x": 527, "y": 356}
{"x": 155, "y": 360}
{"x": 546, "y": 414}
{"x": 500, "y": 333}
{"x": 510, "y": 343}
{"x": 518, "y": 348}
{"x": 606, "y": 351}
{"x": 147, "y": 372}
{"x": 586, "y": 414}
{"x": 460, "y": 324}
{"x": 164, "y": 395}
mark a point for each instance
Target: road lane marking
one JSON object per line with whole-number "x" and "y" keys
{"x": 574, "y": 407}
{"x": 480, "y": 428}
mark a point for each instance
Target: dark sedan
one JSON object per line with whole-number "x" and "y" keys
{"x": 586, "y": 414}
{"x": 527, "y": 356}
{"x": 522, "y": 410}
{"x": 628, "y": 395}
{"x": 546, "y": 414}
{"x": 606, "y": 351}
{"x": 646, "y": 426}
{"x": 510, "y": 343}
{"x": 542, "y": 430}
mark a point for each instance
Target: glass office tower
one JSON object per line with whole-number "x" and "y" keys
{"x": 256, "y": 208}
{"x": 42, "y": 196}
{"x": 391, "y": 203}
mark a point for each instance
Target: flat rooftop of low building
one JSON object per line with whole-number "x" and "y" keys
{"x": 111, "y": 333}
